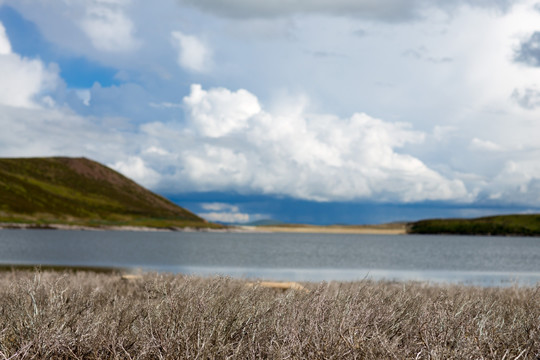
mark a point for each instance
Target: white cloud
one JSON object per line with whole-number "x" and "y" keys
{"x": 193, "y": 54}
{"x": 84, "y": 95}
{"x": 156, "y": 150}
{"x": 220, "y": 111}
{"x": 240, "y": 146}
{"x": 108, "y": 27}
{"x": 22, "y": 79}
{"x": 485, "y": 145}
{"x": 31, "y": 122}
{"x": 518, "y": 182}
{"x": 227, "y": 213}
{"x": 219, "y": 207}
{"x": 226, "y": 217}
{"x": 308, "y": 156}
{"x": 135, "y": 168}
{"x": 5, "y": 45}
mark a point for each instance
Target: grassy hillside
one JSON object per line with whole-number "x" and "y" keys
{"x": 79, "y": 191}
{"x": 521, "y": 225}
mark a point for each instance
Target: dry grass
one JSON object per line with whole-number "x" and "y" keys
{"x": 84, "y": 315}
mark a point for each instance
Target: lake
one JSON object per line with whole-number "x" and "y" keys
{"x": 478, "y": 260}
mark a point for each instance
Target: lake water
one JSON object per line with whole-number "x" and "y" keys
{"x": 478, "y": 260}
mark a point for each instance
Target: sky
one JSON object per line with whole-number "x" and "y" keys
{"x": 314, "y": 111}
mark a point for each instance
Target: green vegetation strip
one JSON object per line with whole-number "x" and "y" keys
{"x": 518, "y": 225}
{"x": 86, "y": 315}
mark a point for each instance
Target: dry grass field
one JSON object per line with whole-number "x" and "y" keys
{"x": 85, "y": 315}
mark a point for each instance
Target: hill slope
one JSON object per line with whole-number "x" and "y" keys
{"x": 521, "y": 225}
{"x": 80, "y": 191}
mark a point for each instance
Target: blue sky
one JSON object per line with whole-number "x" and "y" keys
{"x": 320, "y": 111}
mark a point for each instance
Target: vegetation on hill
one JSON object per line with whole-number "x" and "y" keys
{"x": 520, "y": 225}
{"x": 101, "y": 316}
{"x": 79, "y": 191}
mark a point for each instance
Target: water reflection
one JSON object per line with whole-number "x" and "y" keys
{"x": 477, "y": 278}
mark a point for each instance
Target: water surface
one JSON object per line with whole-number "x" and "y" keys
{"x": 300, "y": 257}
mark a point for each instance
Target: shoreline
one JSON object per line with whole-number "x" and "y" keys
{"x": 385, "y": 229}
{"x": 34, "y": 226}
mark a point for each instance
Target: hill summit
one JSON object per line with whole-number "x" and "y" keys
{"x": 79, "y": 191}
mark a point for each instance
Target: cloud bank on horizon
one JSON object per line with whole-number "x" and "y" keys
{"x": 385, "y": 101}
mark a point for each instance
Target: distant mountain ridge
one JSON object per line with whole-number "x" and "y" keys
{"x": 80, "y": 191}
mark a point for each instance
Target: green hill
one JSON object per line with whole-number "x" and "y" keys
{"x": 520, "y": 225}
{"x": 79, "y": 191}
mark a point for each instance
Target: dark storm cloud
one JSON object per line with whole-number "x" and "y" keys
{"x": 529, "y": 51}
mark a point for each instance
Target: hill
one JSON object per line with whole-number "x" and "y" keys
{"x": 520, "y": 225}
{"x": 79, "y": 191}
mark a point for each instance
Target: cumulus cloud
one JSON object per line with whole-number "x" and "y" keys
{"x": 5, "y": 45}
{"x": 220, "y": 111}
{"x": 485, "y": 145}
{"x": 220, "y": 207}
{"x": 235, "y": 218}
{"x": 291, "y": 153}
{"x": 193, "y": 53}
{"x": 387, "y": 10}
{"x": 156, "y": 150}
{"x": 108, "y": 26}
{"x": 22, "y": 79}
{"x": 34, "y": 125}
{"x": 318, "y": 157}
{"x": 135, "y": 168}
{"x": 517, "y": 183}
{"x": 84, "y": 95}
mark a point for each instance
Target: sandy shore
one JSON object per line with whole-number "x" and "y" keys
{"x": 385, "y": 229}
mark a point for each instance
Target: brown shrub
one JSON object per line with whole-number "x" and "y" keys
{"x": 84, "y": 315}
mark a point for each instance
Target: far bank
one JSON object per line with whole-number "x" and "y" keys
{"x": 383, "y": 229}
